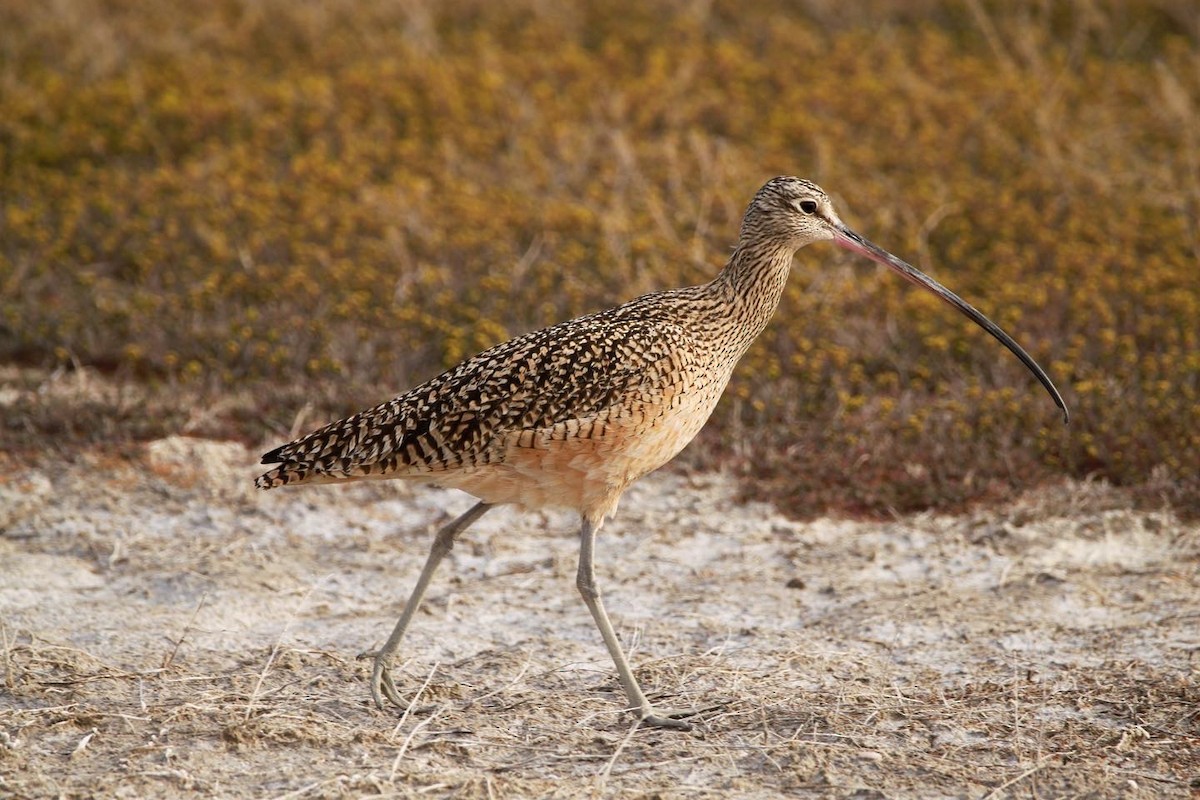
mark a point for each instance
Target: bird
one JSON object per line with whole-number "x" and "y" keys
{"x": 571, "y": 415}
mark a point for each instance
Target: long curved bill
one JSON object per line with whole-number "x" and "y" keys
{"x": 852, "y": 241}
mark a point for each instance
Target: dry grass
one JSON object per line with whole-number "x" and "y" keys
{"x": 1114, "y": 731}
{"x": 165, "y": 631}
{"x": 330, "y": 202}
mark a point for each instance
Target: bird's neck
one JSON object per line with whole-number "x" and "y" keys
{"x": 753, "y": 281}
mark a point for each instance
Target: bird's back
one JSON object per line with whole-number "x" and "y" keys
{"x": 567, "y": 415}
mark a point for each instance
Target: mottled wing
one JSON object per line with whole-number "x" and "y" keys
{"x": 571, "y": 371}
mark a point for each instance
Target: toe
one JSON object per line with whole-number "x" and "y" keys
{"x": 657, "y": 720}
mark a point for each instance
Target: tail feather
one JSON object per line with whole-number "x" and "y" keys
{"x": 356, "y": 447}
{"x": 282, "y": 475}
{"x": 296, "y": 464}
{"x": 327, "y": 454}
{"x": 300, "y": 460}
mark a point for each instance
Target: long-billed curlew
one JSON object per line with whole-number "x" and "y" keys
{"x": 572, "y": 414}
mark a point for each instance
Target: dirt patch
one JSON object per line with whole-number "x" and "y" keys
{"x": 168, "y": 631}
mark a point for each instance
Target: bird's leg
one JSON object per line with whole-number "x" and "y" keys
{"x": 586, "y": 581}
{"x": 381, "y": 676}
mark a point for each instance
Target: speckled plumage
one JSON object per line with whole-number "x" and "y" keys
{"x": 572, "y": 414}
{"x": 568, "y": 415}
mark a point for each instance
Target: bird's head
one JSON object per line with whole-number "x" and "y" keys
{"x": 792, "y": 212}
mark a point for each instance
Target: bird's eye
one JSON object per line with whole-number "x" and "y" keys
{"x": 808, "y": 206}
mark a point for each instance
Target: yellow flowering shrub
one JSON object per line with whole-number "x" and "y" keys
{"x": 333, "y": 201}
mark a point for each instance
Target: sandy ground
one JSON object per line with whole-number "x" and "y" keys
{"x": 168, "y": 631}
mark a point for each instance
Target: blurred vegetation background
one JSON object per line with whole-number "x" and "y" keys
{"x": 250, "y": 208}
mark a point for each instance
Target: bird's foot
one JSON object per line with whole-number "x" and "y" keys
{"x": 674, "y": 718}
{"x": 381, "y": 679}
